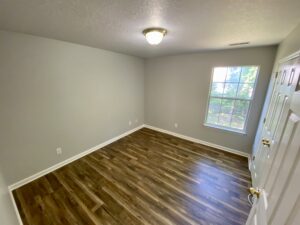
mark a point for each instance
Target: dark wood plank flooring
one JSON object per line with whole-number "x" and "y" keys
{"x": 145, "y": 178}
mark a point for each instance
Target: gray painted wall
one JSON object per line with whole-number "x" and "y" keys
{"x": 290, "y": 45}
{"x": 176, "y": 91}
{"x": 287, "y": 47}
{"x": 57, "y": 94}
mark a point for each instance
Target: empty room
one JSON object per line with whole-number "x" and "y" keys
{"x": 149, "y": 112}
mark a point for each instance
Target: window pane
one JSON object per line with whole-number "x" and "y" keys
{"x": 249, "y": 74}
{"x": 230, "y": 90}
{"x": 214, "y": 105}
{"x": 231, "y": 93}
{"x": 217, "y": 89}
{"x": 219, "y": 74}
{"x": 233, "y": 74}
{"x": 245, "y": 91}
{"x": 212, "y": 118}
{"x": 238, "y": 122}
{"x": 224, "y": 119}
{"x": 227, "y": 106}
{"x": 241, "y": 107}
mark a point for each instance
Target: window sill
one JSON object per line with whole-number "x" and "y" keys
{"x": 241, "y": 132}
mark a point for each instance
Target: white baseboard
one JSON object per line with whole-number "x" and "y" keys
{"x": 250, "y": 166}
{"x": 15, "y": 207}
{"x": 249, "y": 162}
{"x": 223, "y": 148}
{"x": 69, "y": 160}
{"x": 86, "y": 152}
{"x": 61, "y": 164}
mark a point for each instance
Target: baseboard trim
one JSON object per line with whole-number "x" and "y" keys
{"x": 223, "y": 148}
{"x": 86, "y": 152}
{"x": 69, "y": 160}
{"x": 15, "y": 207}
{"x": 250, "y": 166}
{"x": 249, "y": 163}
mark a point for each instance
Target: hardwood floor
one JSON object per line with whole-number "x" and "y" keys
{"x": 145, "y": 178}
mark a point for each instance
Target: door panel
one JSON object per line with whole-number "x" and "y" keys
{"x": 257, "y": 215}
{"x": 277, "y": 162}
{"x": 259, "y": 157}
{"x": 272, "y": 131}
{"x": 286, "y": 91}
{"x": 286, "y": 171}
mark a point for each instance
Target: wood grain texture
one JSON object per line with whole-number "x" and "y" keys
{"x": 145, "y": 178}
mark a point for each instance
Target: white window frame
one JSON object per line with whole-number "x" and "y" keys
{"x": 239, "y": 131}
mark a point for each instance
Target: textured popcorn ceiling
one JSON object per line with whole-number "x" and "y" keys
{"x": 193, "y": 25}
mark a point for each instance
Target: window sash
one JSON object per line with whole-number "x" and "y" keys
{"x": 232, "y": 114}
{"x": 231, "y": 98}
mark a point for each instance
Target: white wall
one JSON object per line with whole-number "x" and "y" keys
{"x": 176, "y": 91}
{"x": 57, "y": 94}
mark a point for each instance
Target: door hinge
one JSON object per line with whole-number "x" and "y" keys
{"x": 264, "y": 120}
{"x": 276, "y": 74}
{"x": 266, "y": 142}
{"x": 254, "y": 192}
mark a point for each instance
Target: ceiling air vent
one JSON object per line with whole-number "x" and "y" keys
{"x": 240, "y": 43}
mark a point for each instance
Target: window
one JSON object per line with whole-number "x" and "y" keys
{"x": 230, "y": 97}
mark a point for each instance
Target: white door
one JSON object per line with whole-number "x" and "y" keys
{"x": 285, "y": 85}
{"x": 279, "y": 200}
{"x": 277, "y": 164}
{"x": 257, "y": 214}
{"x": 258, "y": 135}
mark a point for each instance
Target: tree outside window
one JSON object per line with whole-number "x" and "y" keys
{"x": 230, "y": 97}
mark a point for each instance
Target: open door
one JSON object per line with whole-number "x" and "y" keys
{"x": 276, "y": 166}
{"x": 285, "y": 85}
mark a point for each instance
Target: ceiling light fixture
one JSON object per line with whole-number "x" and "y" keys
{"x": 154, "y": 35}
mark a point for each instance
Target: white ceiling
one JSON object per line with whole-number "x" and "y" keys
{"x": 193, "y": 25}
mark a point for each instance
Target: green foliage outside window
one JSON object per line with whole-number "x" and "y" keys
{"x": 230, "y": 96}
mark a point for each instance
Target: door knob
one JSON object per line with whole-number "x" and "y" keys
{"x": 254, "y": 191}
{"x": 266, "y": 142}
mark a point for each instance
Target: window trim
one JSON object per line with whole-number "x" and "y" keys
{"x": 224, "y": 128}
